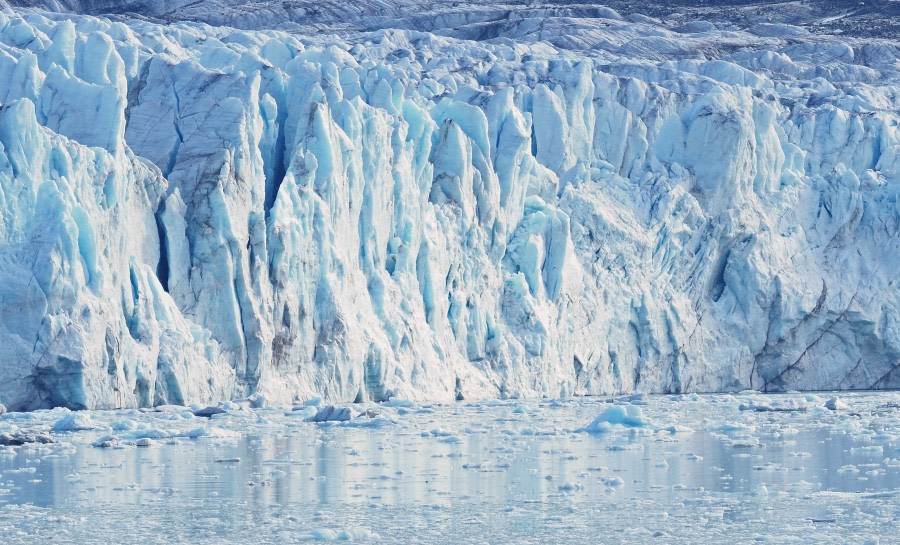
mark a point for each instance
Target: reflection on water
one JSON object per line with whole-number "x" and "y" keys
{"x": 339, "y": 465}
{"x": 437, "y": 464}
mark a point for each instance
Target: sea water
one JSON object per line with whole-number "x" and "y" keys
{"x": 686, "y": 469}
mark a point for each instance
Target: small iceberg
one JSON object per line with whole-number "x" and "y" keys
{"x": 330, "y": 413}
{"x": 625, "y": 416}
{"x": 73, "y": 422}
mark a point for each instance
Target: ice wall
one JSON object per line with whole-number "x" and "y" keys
{"x": 193, "y": 213}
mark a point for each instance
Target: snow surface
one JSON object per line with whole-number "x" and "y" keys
{"x": 577, "y": 201}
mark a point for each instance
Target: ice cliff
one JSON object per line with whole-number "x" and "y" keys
{"x": 550, "y": 203}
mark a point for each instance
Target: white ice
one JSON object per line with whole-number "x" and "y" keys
{"x": 577, "y": 202}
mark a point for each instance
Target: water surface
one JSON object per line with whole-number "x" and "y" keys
{"x": 698, "y": 470}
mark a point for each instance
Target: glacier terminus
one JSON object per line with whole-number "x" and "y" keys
{"x": 201, "y": 201}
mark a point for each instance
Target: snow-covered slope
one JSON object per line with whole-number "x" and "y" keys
{"x": 563, "y": 200}
{"x": 872, "y": 18}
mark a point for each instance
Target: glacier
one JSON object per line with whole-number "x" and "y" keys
{"x": 513, "y": 200}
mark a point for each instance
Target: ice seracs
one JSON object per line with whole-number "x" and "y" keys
{"x": 195, "y": 213}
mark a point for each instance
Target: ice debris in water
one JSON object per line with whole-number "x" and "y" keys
{"x": 209, "y": 411}
{"x": 347, "y": 534}
{"x": 330, "y": 413}
{"x": 783, "y": 405}
{"x": 111, "y": 441}
{"x": 144, "y": 436}
{"x": 302, "y": 411}
{"x": 17, "y": 438}
{"x": 74, "y": 421}
{"x": 836, "y": 404}
{"x": 627, "y": 416}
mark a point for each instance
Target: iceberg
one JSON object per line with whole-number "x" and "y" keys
{"x": 623, "y": 416}
{"x": 560, "y": 201}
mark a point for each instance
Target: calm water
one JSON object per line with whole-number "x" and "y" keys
{"x": 699, "y": 471}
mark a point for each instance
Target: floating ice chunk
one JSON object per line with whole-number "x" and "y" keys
{"x": 209, "y": 411}
{"x": 194, "y": 433}
{"x": 138, "y": 435}
{"x": 787, "y": 431}
{"x": 836, "y": 404}
{"x": 744, "y": 442}
{"x": 527, "y": 431}
{"x": 348, "y": 534}
{"x": 111, "y": 441}
{"x": 123, "y": 425}
{"x": 628, "y": 416}
{"x": 74, "y": 422}
{"x": 330, "y": 413}
{"x": 395, "y": 402}
{"x": 624, "y": 446}
{"x": 634, "y": 399}
{"x": 735, "y": 428}
{"x": 162, "y": 490}
{"x": 376, "y": 421}
{"x": 867, "y": 448}
{"x": 149, "y": 433}
{"x": 206, "y": 432}
{"x": 677, "y": 428}
{"x": 302, "y": 411}
{"x": 780, "y": 405}
{"x": 2, "y": 408}
{"x": 20, "y": 471}
{"x": 18, "y": 438}
{"x": 170, "y": 408}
